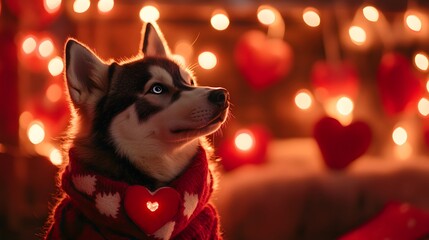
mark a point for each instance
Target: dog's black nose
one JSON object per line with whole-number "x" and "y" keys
{"x": 219, "y": 97}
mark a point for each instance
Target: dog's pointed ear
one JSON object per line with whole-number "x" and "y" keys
{"x": 86, "y": 74}
{"x": 153, "y": 42}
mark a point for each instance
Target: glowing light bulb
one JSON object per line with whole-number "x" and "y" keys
{"x": 219, "y": 21}
{"x": 152, "y": 206}
{"x": 357, "y": 35}
{"x": 149, "y": 14}
{"x": 56, "y": 66}
{"x": 413, "y": 22}
{"x": 266, "y": 16}
{"x": 36, "y": 132}
{"x": 311, "y": 17}
{"x": 55, "y": 157}
{"x": 345, "y": 106}
{"x": 207, "y": 60}
{"x": 52, "y": 6}
{"x": 46, "y": 48}
{"x": 29, "y": 45}
{"x": 399, "y": 136}
{"x": 303, "y": 100}
{"x": 105, "y": 6}
{"x": 421, "y": 61}
{"x": 54, "y": 93}
{"x": 423, "y": 107}
{"x": 244, "y": 140}
{"x": 371, "y": 13}
{"x": 81, "y": 6}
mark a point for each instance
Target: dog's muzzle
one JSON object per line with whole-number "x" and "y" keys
{"x": 219, "y": 97}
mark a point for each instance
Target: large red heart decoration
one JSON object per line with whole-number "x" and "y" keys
{"x": 341, "y": 145}
{"x": 398, "y": 85}
{"x": 232, "y": 157}
{"x": 151, "y": 210}
{"x": 263, "y": 61}
{"x": 334, "y": 80}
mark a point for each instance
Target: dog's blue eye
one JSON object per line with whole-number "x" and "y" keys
{"x": 157, "y": 89}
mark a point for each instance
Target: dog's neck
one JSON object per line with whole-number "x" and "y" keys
{"x": 159, "y": 160}
{"x": 153, "y": 167}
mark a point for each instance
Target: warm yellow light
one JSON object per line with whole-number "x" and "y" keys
{"x": 207, "y": 60}
{"x": 36, "y": 132}
{"x": 105, "y": 6}
{"x": 266, "y": 16}
{"x": 345, "y": 106}
{"x": 311, "y": 17}
{"x": 303, "y": 100}
{"x": 25, "y": 119}
{"x": 220, "y": 21}
{"x": 56, "y": 66}
{"x": 54, "y": 93}
{"x": 55, "y": 157}
{"x": 421, "y": 61}
{"x": 399, "y": 136}
{"x": 357, "y": 35}
{"x": 149, "y": 14}
{"x": 244, "y": 140}
{"x": 423, "y": 107}
{"x": 152, "y": 206}
{"x": 371, "y": 13}
{"x": 81, "y": 6}
{"x": 52, "y": 6}
{"x": 413, "y": 22}
{"x": 29, "y": 45}
{"x": 46, "y": 48}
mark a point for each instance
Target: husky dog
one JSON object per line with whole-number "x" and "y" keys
{"x": 136, "y": 145}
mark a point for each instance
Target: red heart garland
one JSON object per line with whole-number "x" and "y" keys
{"x": 398, "y": 85}
{"x": 151, "y": 210}
{"x": 341, "y": 145}
{"x": 262, "y": 61}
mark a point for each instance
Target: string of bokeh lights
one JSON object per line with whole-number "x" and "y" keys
{"x": 42, "y": 47}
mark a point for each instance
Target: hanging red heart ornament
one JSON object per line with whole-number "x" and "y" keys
{"x": 263, "y": 61}
{"x": 151, "y": 210}
{"x": 334, "y": 80}
{"x": 398, "y": 85}
{"x": 341, "y": 145}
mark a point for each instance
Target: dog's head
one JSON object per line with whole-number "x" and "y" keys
{"x": 148, "y": 110}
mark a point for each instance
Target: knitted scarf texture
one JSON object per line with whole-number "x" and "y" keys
{"x": 96, "y": 207}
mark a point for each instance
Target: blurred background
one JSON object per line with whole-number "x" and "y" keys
{"x": 288, "y": 65}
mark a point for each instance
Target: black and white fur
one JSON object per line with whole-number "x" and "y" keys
{"x": 140, "y": 121}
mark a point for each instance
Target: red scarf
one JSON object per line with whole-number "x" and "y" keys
{"x": 96, "y": 207}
